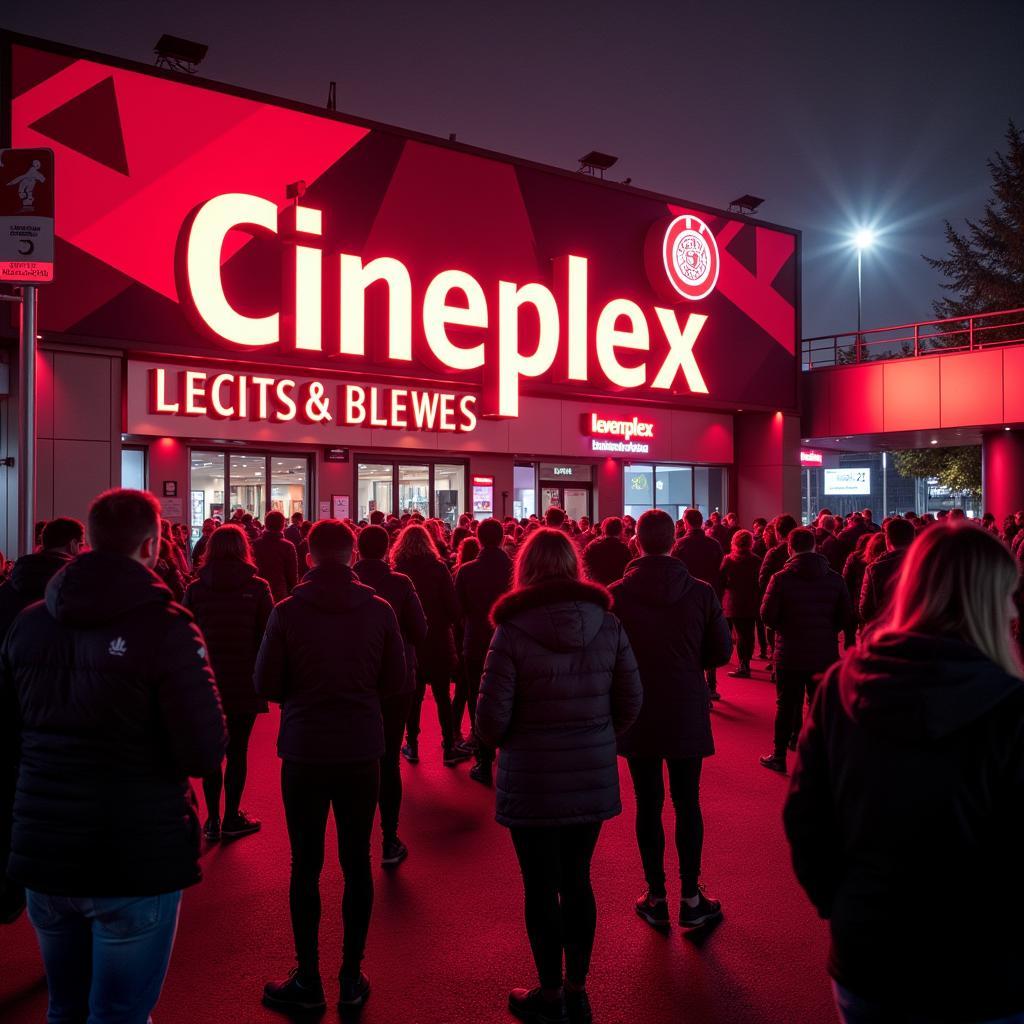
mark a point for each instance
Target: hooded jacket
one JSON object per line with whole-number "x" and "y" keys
{"x": 396, "y": 588}
{"x": 113, "y": 701}
{"x": 27, "y": 583}
{"x": 559, "y": 684}
{"x": 332, "y": 651}
{"x": 232, "y": 604}
{"x": 904, "y": 817}
{"x": 676, "y": 629}
{"x": 807, "y": 605}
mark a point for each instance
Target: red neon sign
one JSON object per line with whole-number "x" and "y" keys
{"x": 270, "y": 399}
{"x": 452, "y": 298}
{"x": 811, "y": 457}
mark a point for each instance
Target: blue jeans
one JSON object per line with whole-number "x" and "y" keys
{"x": 106, "y": 957}
{"x": 854, "y": 1009}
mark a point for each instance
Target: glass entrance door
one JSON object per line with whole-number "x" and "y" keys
{"x": 221, "y": 483}
{"x": 574, "y": 499}
{"x": 402, "y": 488}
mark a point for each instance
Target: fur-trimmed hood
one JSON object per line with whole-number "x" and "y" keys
{"x": 563, "y": 615}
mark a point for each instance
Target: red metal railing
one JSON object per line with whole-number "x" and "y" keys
{"x": 905, "y": 341}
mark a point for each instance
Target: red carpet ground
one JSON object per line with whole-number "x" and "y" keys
{"x": 447, "y": 939}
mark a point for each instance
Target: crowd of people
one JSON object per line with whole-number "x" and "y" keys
{"x": 133, "y": 662}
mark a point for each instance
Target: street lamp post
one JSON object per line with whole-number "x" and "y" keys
{"x": 863, "y": 239}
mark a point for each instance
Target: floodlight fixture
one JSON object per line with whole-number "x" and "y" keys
{"x": 179, "y": 54}
{"x": 595, "y": 163}
{"x": 746, "y": 204}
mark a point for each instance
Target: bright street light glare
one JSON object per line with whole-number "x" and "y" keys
{"x": 864, "y": 238}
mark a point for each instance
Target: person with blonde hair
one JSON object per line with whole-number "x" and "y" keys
{"x": 909, "y": 786}
{"x": 560, "y": 683}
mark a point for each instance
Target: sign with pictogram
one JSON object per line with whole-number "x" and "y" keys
{"x": 26, "y": 215}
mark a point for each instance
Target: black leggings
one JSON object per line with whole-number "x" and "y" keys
{"x": 395, "y": 712}
{"x": 310, "y": 791}
{"x": 232, "y": 779}
{"x": 440, "y": 681}
{"x": 684, "y": 786}
{"x": 743, "y": 628}
{"x": 560, "y": 910}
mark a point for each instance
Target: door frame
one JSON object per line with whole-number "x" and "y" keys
{"x": 561, "y": 486}
{"x": 408, "y": 460}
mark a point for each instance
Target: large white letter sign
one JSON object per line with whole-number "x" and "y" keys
{"x": 206, "y": 237}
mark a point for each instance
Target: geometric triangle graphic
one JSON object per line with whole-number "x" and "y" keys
{"x": 91, "y": 124}
{"x": 744, "y": 248}
{"x": 30, "y": 67}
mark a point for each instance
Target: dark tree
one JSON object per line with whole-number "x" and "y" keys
{"x": 984, "y": 270}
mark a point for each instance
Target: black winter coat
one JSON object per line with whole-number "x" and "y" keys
{"x": 773, "y": 561}
{"x": 232, "y": 604}
{"x": 907, "y": 793}
{"x": 109, "y": 690}
{"x": 331, "y": 653}
{"x": 879, "y": 582}
{"x": 832, "y": 548}
{"x": 605, "y": 560}
{"x": 741, "y": 594}
{"x": 478, "y": 586}
{"x": 396, "y": 588}
{"x": 276, "y": 562}
{"x": 807, "y": 605}
{"x": 702, "y": 555}
{"x": 433, "y": 582}
{"x": 26, "y": 584}
{"x": 676, "y": 629}
{"x": 560, "y": 683}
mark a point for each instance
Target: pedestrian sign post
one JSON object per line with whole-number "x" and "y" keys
{"x": 26, "y": 215}
{"x": 26, "y": 259}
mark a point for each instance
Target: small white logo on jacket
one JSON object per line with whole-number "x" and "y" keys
{"x": 118, "y": 648}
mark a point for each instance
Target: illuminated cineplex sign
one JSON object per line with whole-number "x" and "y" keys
{"x": 451, "y": 299}
{"x": 620, "y": 432}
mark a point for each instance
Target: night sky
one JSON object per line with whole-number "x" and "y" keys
{"x": 839, "y": 114}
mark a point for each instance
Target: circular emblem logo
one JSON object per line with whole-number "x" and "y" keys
{"x": 690, "y": 255}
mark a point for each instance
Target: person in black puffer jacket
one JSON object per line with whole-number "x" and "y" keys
{"x": 560, "y": 683}
{"x": 880, "y": 576}
{"x": 61, "y": 541}
{"x": 605, "y": 558}
{"x": 109, "y": 691}
{"x": 276, "y": 558}
{"x": 331, "y": 654}
{"x": 416, "y": 555}
{"x": 231, "y": 604}
{"x": 807, "y": 605}
{"x": 397, "y": 589}
{"x": 676, "y": 629}
{"x": 478, "y": 586}
{"x": 909, "y": 785}
{"x": 741, "y": 597}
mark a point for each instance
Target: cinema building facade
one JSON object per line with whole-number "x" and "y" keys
{"x": 261, "y": 304}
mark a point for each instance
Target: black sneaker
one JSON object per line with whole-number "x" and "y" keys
{"x": 211, "y": 830}
{"x": 411, "y": 751}
{"x": 530, "y": 1006}
{"x": 12, "y": 901}
{"x": 239, "y": 825}
{"x": 705, "y": 911}
{"x": 741, "y": 673}
{"x": 469, "y": 746}
{"x": 481, "y": 772}
{"x": 354, "y": 991}
{"x": 773, "y": 763}
{"x": 395, "y": 851}
{"x": 578, "y": 1005}
{"x": 454, "y": 756}
{"x": 653, "y": 911}
{"x": 292, "y": 994}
